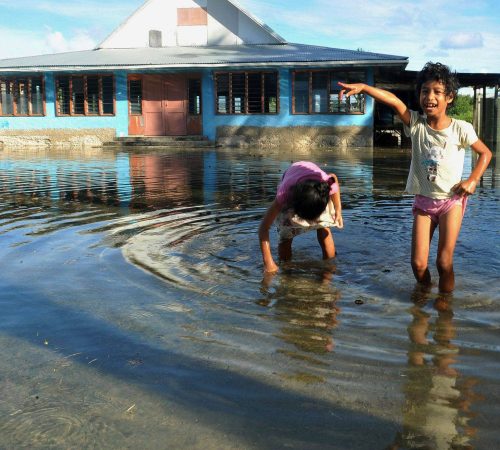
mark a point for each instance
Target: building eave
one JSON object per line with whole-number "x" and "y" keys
{"x": 319, "y": 64}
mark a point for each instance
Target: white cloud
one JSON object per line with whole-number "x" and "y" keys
{"x": 17, "y": 43}
{"x": 56, "y": 42}
{"x": 462, "y": 40}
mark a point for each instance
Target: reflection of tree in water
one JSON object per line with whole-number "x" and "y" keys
{"x": 306, "y": 305}
{"x": 436, "y": 412}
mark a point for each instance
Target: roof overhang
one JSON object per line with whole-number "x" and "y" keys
{"x": 318, "y": 64}
{"x": 237, "y": 56}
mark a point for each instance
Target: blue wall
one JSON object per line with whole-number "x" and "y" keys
{"x": 285, "y": 117}
{"x": 210, "y": 120}
{"x": 50, "y": 120}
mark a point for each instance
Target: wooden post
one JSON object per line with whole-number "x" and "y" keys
{"x": 496, "y": 138}
{"x": 475, "y": 118}
{"x": 483, "y": 114}
{"x": 496, "y": 124}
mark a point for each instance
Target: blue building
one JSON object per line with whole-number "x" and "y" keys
{"x": 196, "y": 67}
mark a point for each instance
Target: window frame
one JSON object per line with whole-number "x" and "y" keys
{"x": 71, "y": 104}
{"x": 13, "y": 82}
{"x": 245, "y": 103}
{"x": 130, "y": 79}
{"x": 329, "y": 92}
{"x": 196, "y": 79}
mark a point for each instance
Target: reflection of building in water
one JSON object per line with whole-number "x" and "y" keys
{"x": 54, "y": 180}
{"x": 307, "y": 308}
{"x": 161, "y": 181}
{"x": 436, "y": 413}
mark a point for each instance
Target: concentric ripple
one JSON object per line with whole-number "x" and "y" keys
{"x": 207, "y": 251}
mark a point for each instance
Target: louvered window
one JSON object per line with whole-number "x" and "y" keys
{"x": 194, "y": 96}
{"x": 135, "y": 96}
{"x": 89, "y": 95}
{"x": 246, "y": 92}
{"x": 22, "y": 96}
{"x": 318, "y": 92}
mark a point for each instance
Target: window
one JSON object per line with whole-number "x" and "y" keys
{"x": 246, "y": 92}
{"x": 317, "y": 92}
{"x": 108, "y": 95}
{"x": 78, "y": 95}
{"x": 22, "y": 96}
{"x": 135, "y": 96}
{"x": 89, "y": 95}
{"x": 271, "y": 93}
{"x": 194, "y": 96}
{"x": 93, "y": 95}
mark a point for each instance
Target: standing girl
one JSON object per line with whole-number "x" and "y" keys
{"x": 307, "y": 199}
{"x": 438, "y": 149}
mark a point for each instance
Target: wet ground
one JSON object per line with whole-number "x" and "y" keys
{"x": 135, "y": 313}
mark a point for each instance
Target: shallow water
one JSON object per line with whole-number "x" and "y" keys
{"x": 135, "y": 314}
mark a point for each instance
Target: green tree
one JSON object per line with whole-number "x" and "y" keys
{"x": 463, "y": 108}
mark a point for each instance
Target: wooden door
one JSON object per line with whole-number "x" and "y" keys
{"x": 165, "y": 105}
{"x": 154, "y": 123}
{"x": 175, "y": 105}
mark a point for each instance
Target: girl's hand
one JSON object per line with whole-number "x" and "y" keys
{"x": 350, "y": 89}
{"x": 339, "y": 219}
{"x": 270, "y": 268}
{"x": 466, "y": 187}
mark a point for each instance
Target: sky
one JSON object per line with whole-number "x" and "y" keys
{"x": 463, "y": 34}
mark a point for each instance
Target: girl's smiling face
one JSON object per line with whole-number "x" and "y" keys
{"x": 433, "y": 98}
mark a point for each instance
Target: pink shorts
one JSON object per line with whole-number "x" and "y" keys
{"x": 434, "y": 209}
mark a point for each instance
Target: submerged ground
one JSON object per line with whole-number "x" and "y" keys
{"x": 135, "y": 313}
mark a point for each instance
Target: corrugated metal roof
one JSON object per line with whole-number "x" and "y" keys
{"x": 185, "y": 57}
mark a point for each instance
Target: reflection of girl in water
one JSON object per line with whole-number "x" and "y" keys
{"x": 308, "y": 310}
{"x": 435, "y": 414}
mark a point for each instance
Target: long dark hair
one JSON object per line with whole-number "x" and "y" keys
{"x": 309, "y": 198}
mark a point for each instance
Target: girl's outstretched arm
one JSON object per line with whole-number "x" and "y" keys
{"x": 467, "y": 187}
{"x": 380, "y": 95}
{"x": 265, "y": 245}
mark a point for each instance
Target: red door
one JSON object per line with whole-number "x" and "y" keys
{"x": 175, "y": 105}
{"x": 165, "y": 104}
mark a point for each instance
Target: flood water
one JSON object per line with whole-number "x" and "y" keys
{"x": 135, "y": 314}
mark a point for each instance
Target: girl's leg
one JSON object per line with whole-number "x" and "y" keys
{"x": 449, "y": 228}
{"x": 285, "y": 249}
{"x": 423, "y": 230}
{"x": 326, "y": 243}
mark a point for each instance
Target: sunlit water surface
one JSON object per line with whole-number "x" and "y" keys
{"x": 135, "y": 313}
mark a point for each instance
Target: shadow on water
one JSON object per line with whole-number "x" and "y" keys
{"x": 243, "y": 409}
